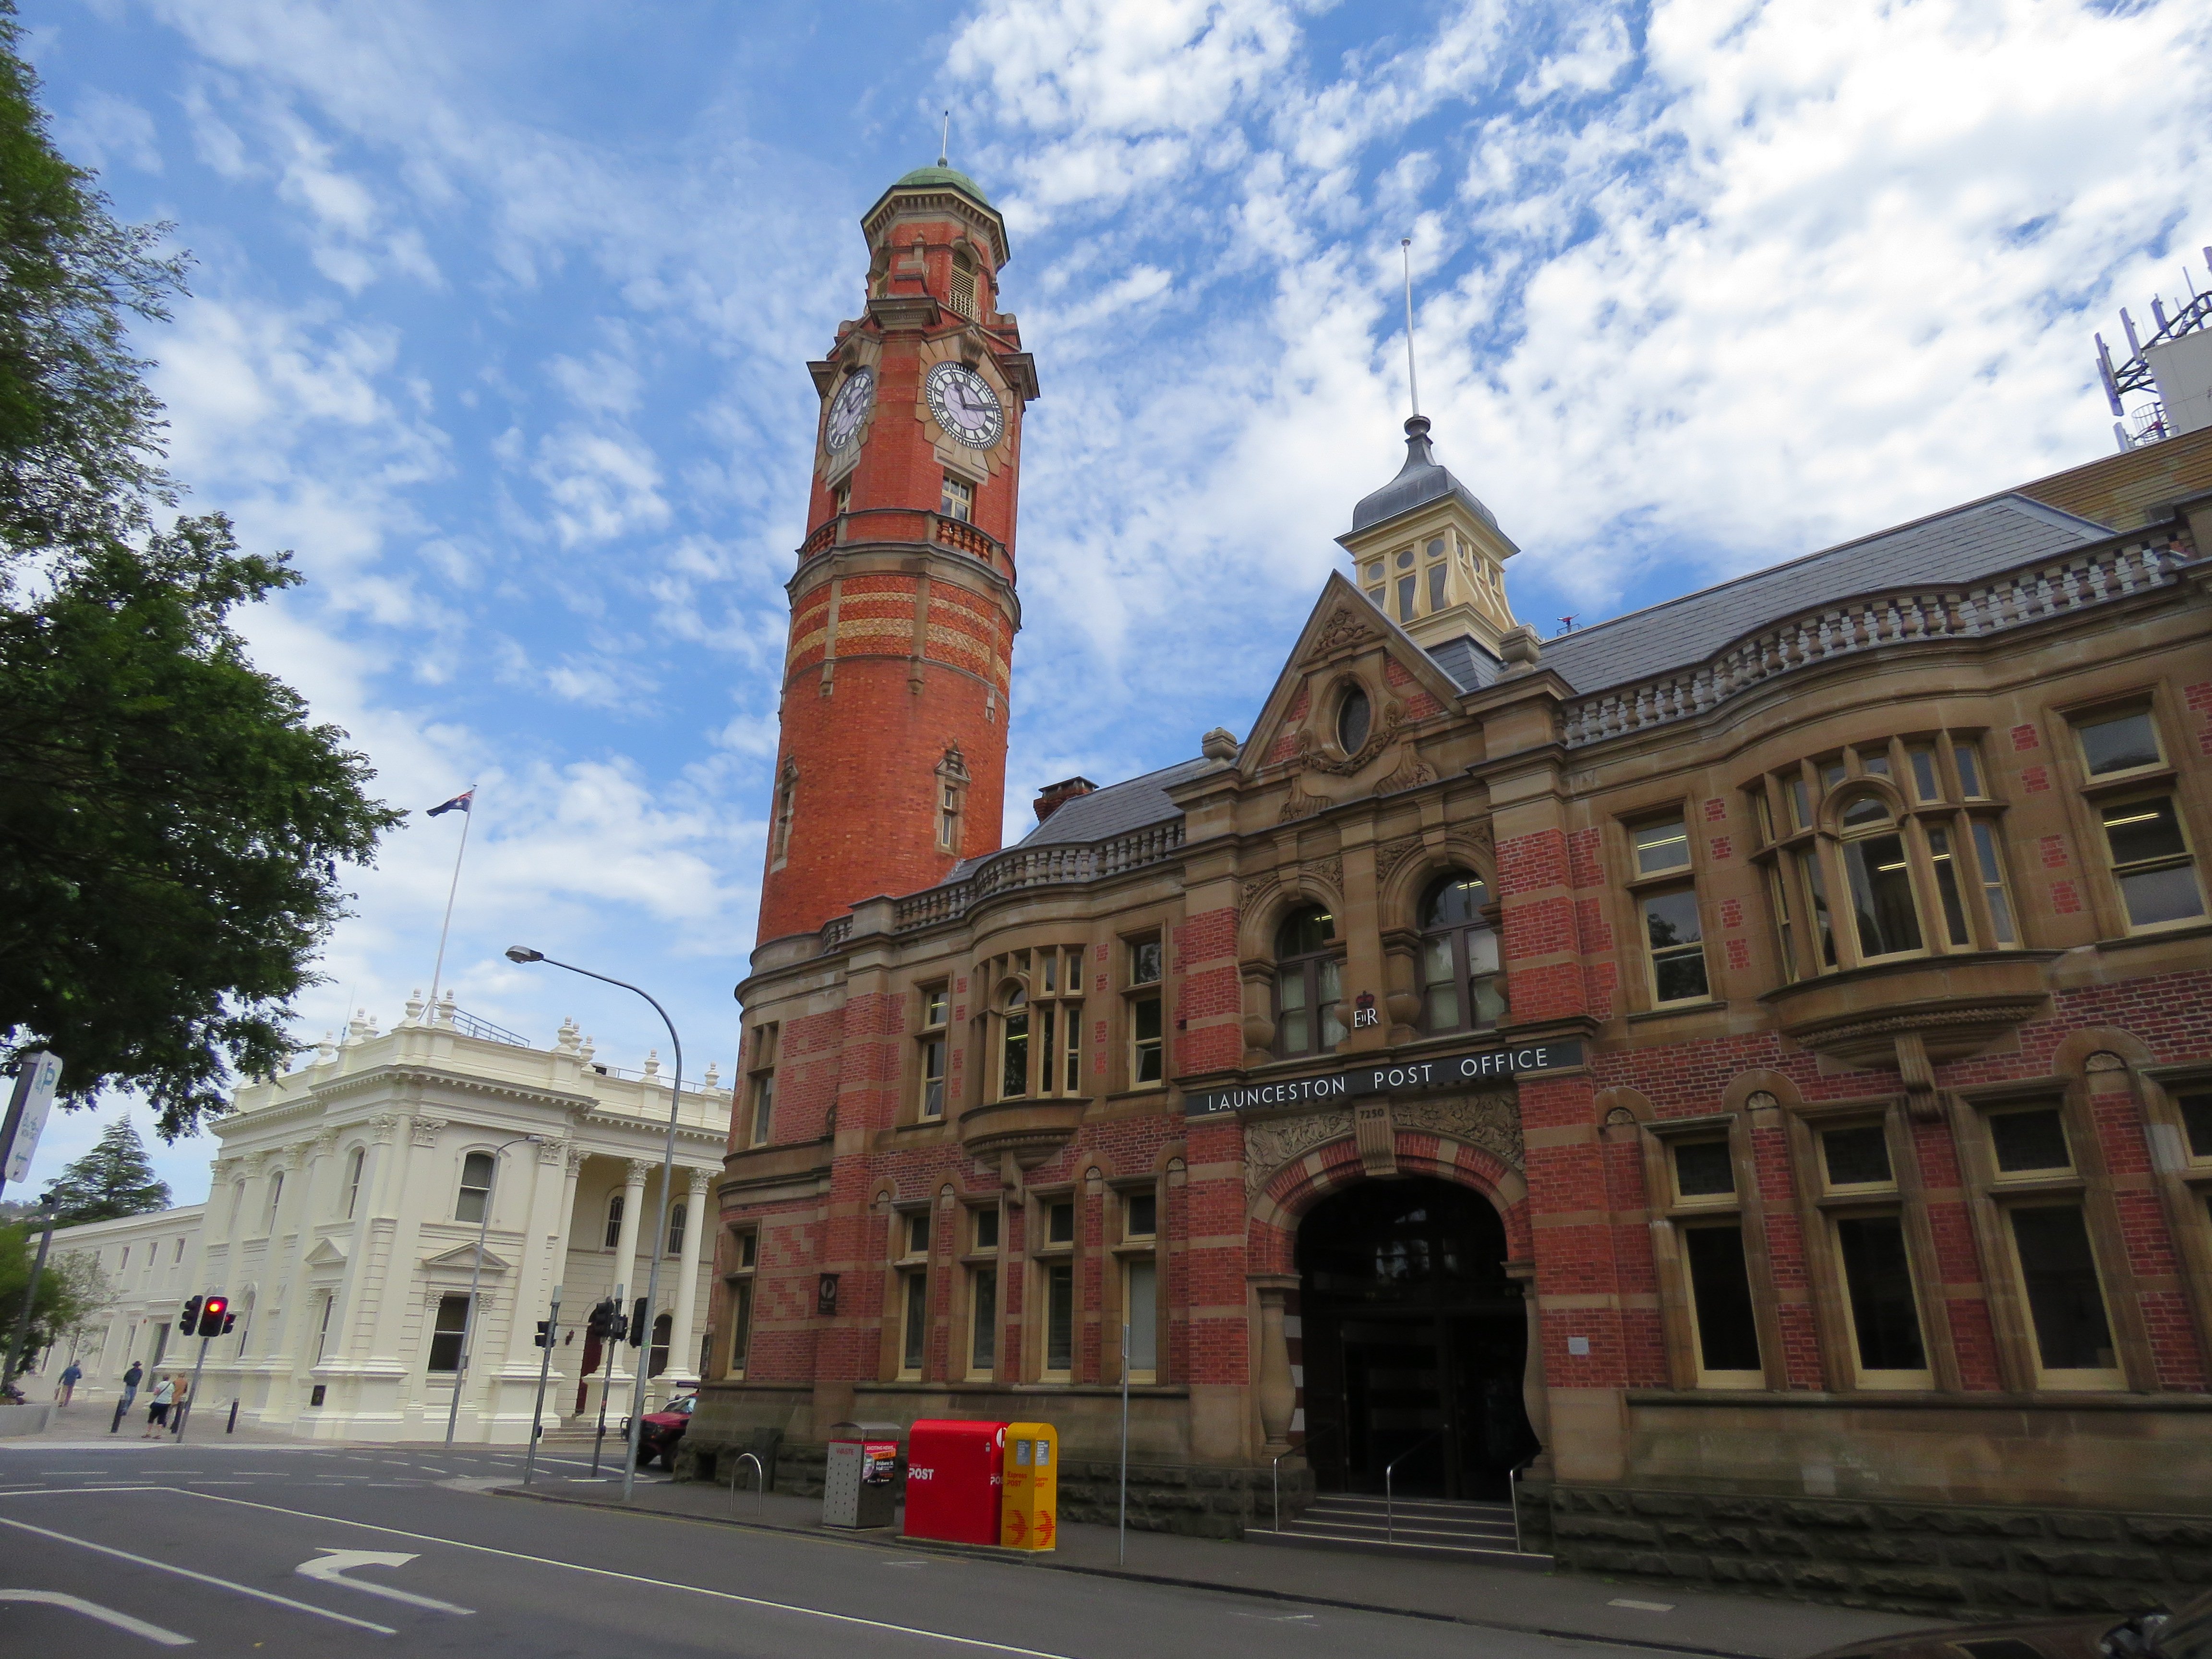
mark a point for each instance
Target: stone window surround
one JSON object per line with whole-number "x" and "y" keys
{"x": 2090, "y": 793}
{"x": 1125, "y": 1250}
{"x": 1642, "y": 988}
{"x": 902, "y": 1263}
{"x": 970, "y": 1260}
{"x": 2184, "y": 1181}
{"x": 1818, "y": 1209}
{"x": 1679, "y": 1327}
{"x": 1783, "y": 841}
{"x": 1990, "y": 1195}
{"x": 1132, "y": 992}
{"x": 1042, "y": 1254}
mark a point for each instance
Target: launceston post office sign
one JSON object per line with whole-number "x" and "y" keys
{"x": 1413, "y": 1076}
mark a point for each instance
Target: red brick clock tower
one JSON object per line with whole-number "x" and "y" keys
{"x": 893, "y": 759}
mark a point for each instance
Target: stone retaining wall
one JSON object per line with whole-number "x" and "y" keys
{"x": 1950, "y": 1560}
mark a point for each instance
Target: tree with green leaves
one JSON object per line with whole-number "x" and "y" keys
{"x": 113, "y": 1180}
{"x": 69, "y": 1292}
{"x": 173, "y": 824}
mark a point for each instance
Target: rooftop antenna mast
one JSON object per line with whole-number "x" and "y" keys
{"x": 1413, "y": 380}
{"x": 945, "y": 144}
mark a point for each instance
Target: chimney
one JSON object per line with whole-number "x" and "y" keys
{"x": 1054, "y": 796}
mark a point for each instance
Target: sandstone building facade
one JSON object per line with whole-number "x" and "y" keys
{"x": 342, "y": 1219}
{"x": 1741, "y": 1072}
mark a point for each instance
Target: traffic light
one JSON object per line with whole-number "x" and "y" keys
{"x": 637, "y": 1323}
{"x": 189, "y": 1320}
{"x": 229, "y": 1320}
{"x": 215, "y": 1316}
{"x": 545, "y": 1337}
{"x": 607, "y": 1323}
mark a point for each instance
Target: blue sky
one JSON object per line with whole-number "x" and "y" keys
{"x": 501, "y": 314}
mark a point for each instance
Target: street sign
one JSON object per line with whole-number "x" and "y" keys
{"x": 39, "y": 1076}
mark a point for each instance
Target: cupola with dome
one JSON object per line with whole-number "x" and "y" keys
{"x": 1429, "y": 555}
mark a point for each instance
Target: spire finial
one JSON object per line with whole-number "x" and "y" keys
{"x": 945, "y": 144}
{"x": 1412, "y": 382}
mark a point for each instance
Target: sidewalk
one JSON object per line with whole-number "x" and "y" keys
{"x": 1741, "y": 1627}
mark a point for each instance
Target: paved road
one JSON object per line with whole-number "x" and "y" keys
{"x": 253, "y": 1550}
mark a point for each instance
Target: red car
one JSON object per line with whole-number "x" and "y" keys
{"x": 663, "y": 1431}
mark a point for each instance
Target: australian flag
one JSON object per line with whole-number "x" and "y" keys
{"x": 459, "y": 804}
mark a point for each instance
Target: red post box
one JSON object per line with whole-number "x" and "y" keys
{"x": 954, "y": 1475}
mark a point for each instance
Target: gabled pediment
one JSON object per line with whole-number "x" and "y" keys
{"x": 1347, "y": 647}
{"x": 327, "y": 1252}
{"x": 464, "y": 1257}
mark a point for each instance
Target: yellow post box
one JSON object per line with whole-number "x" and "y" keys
{"x": 1028, "y": 1508}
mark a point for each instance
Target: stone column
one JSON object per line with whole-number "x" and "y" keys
{"x": 1278, "y": 1395}
{"x": 630, "y": 1282}
{"x": 318, "y": 1162}
{"x": 683, "y": 1340}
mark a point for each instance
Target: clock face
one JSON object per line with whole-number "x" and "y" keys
{"x": 850, "y": 407}
{"x": 964, "y": 405}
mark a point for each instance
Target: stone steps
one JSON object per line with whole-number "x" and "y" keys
{"x": 1412, "y": 1526}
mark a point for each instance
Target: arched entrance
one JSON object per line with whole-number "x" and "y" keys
{"x": 1414, "y": 1341}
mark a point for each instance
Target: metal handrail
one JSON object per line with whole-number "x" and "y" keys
{"x": 760, "y": 1477}
{"x": 1389, "y": 1501}
{"x": 1275, "y": 1468}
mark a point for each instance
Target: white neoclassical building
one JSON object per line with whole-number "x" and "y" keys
{"x": 342, "y": 1222}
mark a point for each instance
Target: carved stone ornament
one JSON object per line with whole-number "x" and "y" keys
{"x": 576, "y": 1155}
{"x": 1490, "y": 1122}
{"x": 326, "y": 1143}
{"x": 1410, "y": 772}
{"x": 1299, "y": 805}
{"x": 383, "y": 1127}
{"x": 1761, "y": 1102}
{"x": 2105, "y": 1061}
{"x": 1388, "y": 719}
{"x": 550, "y": 1152}
{"x": 1391, "y": 854}
{"x": 426, "y": 1130}
{"x": 1330, "y": 871}
{"x": 1268, "y": 1146}
{"x": 1341, "y": 631}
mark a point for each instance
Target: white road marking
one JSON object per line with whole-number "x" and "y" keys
{"x": 334, "y": 1563}
{"x": 203, "y": 1578}
{"x": 981, "y": 1643}
{"x": 1642, "y": 1607}
{"x": 167, "y": 1638}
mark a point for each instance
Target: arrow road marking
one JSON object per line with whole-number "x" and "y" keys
{"x": 202, "y": 1578}
{"x": 167, "y": 1638}
{"x": 334, "y": 1564}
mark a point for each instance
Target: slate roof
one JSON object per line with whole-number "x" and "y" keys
{"x": 1422, "y": 479}
{"x": 1957, "y": 546}
{"x": 1117, "y": 809}
{"x": 1960, "y": 545}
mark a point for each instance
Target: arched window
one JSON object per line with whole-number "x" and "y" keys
{"x": 614, "y": 1221}
{"x": 964, "y": 282}
{"x": 476, "y": 1187}
{"x": 1014, "y": 1045}
{"x": 676, "y": 1217}
{"x": 657, "y": 1358}
{"x": 1461, "y": 988}
{"x": 354, "y": 1160}
{"x": 1355, "y": 717}
{"x": 1309, "y": 983}
{"x": 275, "y": 1197}
{"x": 1883, "y": 907}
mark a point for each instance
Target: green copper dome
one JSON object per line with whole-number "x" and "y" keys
{"x": 940, "y": 177}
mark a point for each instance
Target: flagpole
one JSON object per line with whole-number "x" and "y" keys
{"x": 468, "y": 816}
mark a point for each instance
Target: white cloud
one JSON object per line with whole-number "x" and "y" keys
{"x": 102, "y": 131}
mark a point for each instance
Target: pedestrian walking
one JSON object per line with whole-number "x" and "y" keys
{"x": 157, "y": 1410}
{"x": 72, "y": 1373}
{"x": 178, "y": 1407}
{"x": 132, "y": 1379}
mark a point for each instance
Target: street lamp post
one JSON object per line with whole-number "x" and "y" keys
{"x": 475, "y": 1276}
{"x": 521, "y": 953}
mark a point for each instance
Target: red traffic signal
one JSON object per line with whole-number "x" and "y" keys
{"x": 214, "y": 1314}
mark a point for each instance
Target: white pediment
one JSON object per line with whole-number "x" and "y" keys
{"x": 462, "y": 1258}
{"x": 327, "y": 1252}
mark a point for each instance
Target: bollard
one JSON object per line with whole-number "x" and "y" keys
{"x": 118, "y": 1422}
{"x": 231, "y": 1427}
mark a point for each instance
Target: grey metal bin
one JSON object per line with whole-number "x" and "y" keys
{"x": 858, "y": 1489}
